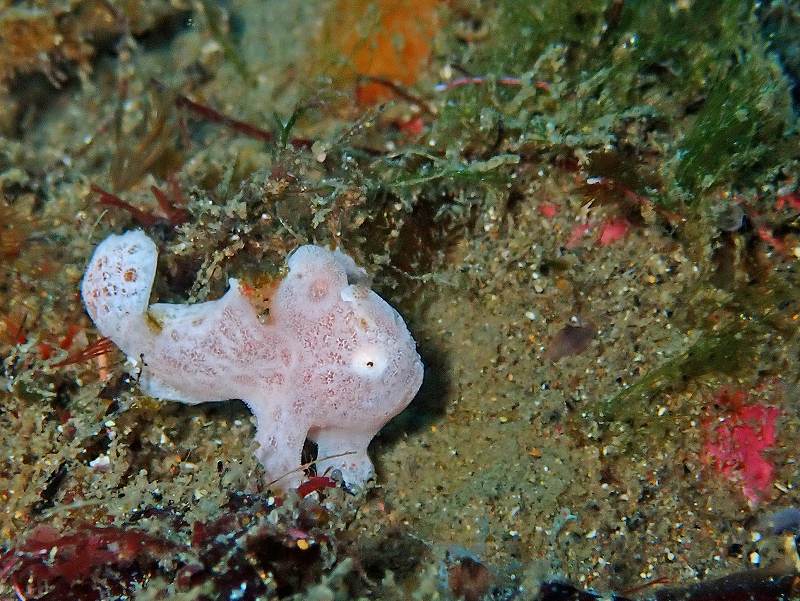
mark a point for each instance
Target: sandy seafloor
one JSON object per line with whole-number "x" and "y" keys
{"x": 503, "y": 458}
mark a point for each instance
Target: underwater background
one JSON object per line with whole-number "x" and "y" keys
{"x": 587, "y": 213}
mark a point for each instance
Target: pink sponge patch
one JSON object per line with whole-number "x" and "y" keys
{"x": 548, "y": 210}
{"x": 736, "y": 442}
{"x": 612, "y": 230}
{"x": 577, "y": 233}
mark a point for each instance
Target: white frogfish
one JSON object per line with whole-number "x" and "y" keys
{"x": 332, "y": 362}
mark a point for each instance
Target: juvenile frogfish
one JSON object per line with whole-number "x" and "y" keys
{"x": 332, "y": 362}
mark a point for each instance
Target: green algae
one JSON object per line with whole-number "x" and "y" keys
{"x": 216, "y": 19}
{"x": 720, "y": 353}
{"x": 610, "y": 66}
{"x": 733, "y": 138}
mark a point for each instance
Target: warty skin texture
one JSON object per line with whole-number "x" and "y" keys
{"x": 332, "y": 362}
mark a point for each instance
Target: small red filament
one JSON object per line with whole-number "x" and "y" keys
{"x": 99, "y": 347}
